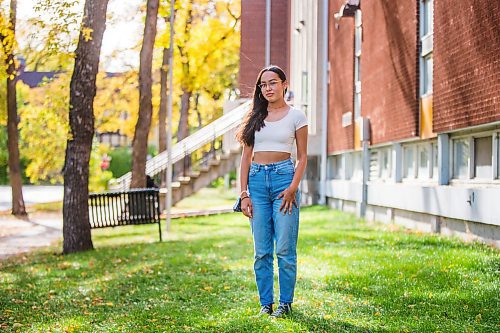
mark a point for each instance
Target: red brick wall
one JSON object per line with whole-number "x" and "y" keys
{"x": 340, "y": 90}
{"x": 389, "y": 69}
{"x": 253, "y": 39}
{"x": 466, "y": 63}
{"x": 389, "y": 72}
{"x": 280, "y": 34}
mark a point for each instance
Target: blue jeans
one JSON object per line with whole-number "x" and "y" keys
{"x": 270, "y": 227}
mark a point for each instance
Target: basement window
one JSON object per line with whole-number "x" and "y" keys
{"x": 461, "y": 156}
{"x": 483, "y": 149}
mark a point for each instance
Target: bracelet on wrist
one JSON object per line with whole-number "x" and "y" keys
{"x": 247, "y": 197}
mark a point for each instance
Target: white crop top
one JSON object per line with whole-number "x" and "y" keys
{"x": 279, "y": 135}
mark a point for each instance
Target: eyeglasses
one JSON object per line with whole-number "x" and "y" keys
{"x": 271, "y": 84}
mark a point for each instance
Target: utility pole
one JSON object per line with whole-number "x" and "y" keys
{"x": 169, "y": 115}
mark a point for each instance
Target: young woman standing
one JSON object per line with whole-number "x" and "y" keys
{"x": 270, "y": 181}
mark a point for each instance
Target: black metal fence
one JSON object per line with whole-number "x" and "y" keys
{"x": 136, "y": 206}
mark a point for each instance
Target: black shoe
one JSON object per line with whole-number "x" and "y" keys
{"x": 283, "y": 310}
{"x": 266, "y": 310}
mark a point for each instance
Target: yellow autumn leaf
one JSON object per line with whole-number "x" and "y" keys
{"x": 87, "y": 33}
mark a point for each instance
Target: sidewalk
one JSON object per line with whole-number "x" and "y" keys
{"x": 19, "y": 236}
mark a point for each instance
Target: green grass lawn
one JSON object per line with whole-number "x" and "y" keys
{"x": 208, "y": 197}
{"x": 352, "y": 277}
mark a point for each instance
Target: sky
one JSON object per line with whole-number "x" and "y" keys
{"x": 123, "y": 32}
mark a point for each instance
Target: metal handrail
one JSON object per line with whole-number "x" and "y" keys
{"x": 190, "y": 144}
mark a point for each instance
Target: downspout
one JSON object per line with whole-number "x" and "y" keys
{"x": 268, "y": 32}
{"x": 364, "y": 135}
{"x": 324, "y": 105}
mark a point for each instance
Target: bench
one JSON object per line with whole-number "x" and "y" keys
{"x": 135, "y": 206}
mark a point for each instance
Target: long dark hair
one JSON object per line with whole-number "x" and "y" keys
{"x": 254, "y": 120}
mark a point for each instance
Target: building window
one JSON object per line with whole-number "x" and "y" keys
{"x": 409, "y": 161}
{"x": 348, "y": 166}
{"x": 483, "y": 152}
{"x": 424, "y": 156}
{"x": 330, "y": 171}
{"x": 339, "y": 166}
{"x": 461, "y": 156}
{"x": 357, "y": 167}
{"x": 427, "y": 17}
{"x": 336, "y": 167}
{"x": 498, "y": 154}
{"x": 434, "y": 147}
{"x": 380, "y": 164}
{"x": 427, "y": 74}
{"x": 385, "y": 165}
{"x": 374, "y": 165}
{"x": 427, "y": 46}
{"x": 358, "y": 33}
{"x": 305, "y": 102}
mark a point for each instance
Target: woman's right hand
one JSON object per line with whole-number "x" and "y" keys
{"x": 246, "y": 207}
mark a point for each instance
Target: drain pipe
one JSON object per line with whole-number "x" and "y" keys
{"x": 268, "y": 32}
{"x": 324, "y": 104}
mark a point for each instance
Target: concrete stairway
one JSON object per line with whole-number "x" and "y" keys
{"x": 217, "y": 167}
{"x": 220, "y": 165}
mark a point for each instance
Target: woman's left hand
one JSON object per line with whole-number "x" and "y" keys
{"x": 289, "y": 200}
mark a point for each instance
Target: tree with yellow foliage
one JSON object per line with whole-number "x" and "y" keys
{"x": 206, "y": 60}
{"x": 141, "y": 134}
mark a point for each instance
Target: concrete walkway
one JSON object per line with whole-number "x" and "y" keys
{"x": 19, "y": 236}
{"x": 32, "y": 194}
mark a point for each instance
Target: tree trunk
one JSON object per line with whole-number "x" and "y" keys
{"x": 197, "y": 110}
{"x": 18, "y": 207}
{"x": 162, "y": 113}
{"x": 140, "y": 142}
{"x": 183, "y": 129}
{"x": 76, "y": 227}
{"x": 182, "y": 166}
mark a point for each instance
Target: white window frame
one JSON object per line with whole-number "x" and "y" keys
{"x": 453, "y": 159}
{"x": 330, "y": 168}
{"x": 426, "y": 45}
{"x": 358, "y": 37}
{"x": 385, "y": 174}
{"x": 496, "y": 155}
{"x": 336, "y": 167}
{"x": 357, "y": 173}
{"x": 374, "y": 168}
{"x": 427, "y": 25}
{"x": 406, "y": 175}
{"x": 492, "y": 174}
{"x": 428, "y": 174}
{"x": 427, "y": 76}
{"x": 495, "y": 152}
{"x": 434, "y": 160}
{"x": 348, "y": 165}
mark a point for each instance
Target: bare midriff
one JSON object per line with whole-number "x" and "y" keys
{"x": 266, "y": 157}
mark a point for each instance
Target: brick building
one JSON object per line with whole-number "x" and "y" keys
{"x": 406, "y": 128}
{"x": 253, "y": 36}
